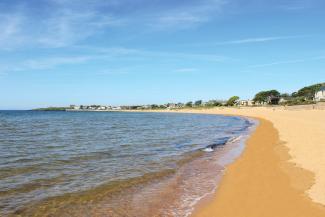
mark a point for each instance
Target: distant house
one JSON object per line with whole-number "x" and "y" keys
{"x": 273, "y": 100}
{"x": 320, "y": 94}
{"x": 245, "y": 102}
{"x": 258, "y": 103}
{"x": 242, "y": 103}
{"x": 180, "y": 105}
{"x": 283, "y": 100}
{"x": 250, "y": 102}
{"x": 102, "y": 108}
{"x": 74, "y": 107}
{"x": 171, "y": 106}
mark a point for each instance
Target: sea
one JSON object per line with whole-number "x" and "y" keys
{"x": 130, "y": 164}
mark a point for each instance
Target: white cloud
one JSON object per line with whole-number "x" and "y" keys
{"x": 180, "y": 19}
{"x": 258, "y": 40}
{"x": 254, "y": 40}
{"x": 62, "y": 25}
{"x": 140, "y": 53}
{"x": 288, "y": 62}
{"x": 66, "y": 27}
{"x": 187, "y": 15}
{"x": 276, "y": 63}
{"x": 11, "y": 26}
{"x": 52, "y": 62}
{"x": 86, "y": 54}
{"x": 298, "y": 5}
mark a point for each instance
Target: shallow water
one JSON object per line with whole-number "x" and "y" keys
{"x": 112, "y": 163}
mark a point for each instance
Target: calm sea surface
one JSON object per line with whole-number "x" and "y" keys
{"x": 112, "y": 163}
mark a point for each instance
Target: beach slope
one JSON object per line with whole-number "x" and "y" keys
{"x": 258, "y": 184}
{"x": 280, "y": 173}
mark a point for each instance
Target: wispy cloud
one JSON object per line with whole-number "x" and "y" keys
{"x": 260, "y": 39}
{"x": 277, "y": 63}
{"x": 52, "y": 62}
{"x": 297, "y": 5}
{"x": 142, "y": 53}
{"x": 87, "y": 55}
{"x": 287, "y": 62}
{"x": 63, "y": 23}
{"x": 11, "y": 26}
{"x": 181, "y": 20}
{"x": 66, "y": 27}
{"x": 187, "y": 15}
{"x": 194, "y": 56}
{"x": 252, "y": 40}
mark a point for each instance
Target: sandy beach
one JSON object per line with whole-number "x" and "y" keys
{"x": 280, "y": 173}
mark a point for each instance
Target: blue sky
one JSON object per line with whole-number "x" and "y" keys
{"x": 61, "y": 52}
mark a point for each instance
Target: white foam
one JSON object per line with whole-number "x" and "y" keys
{"x": 234, "y": 139}
{"x": 208, "y": 149}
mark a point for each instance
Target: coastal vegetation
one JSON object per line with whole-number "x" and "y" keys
{"x": 189, "y": 104}
{"x": 51, "y": 109}
{"x": 232, "y": 100}
{"x": 263, "y": 96}
{"x": 309, "y": 91}
{"x": 302, "y": 96}
{"x": 198, "y": 103}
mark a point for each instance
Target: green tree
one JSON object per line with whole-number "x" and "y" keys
{"x": 232, "y": 100}
{"x": 285, "y": 95}
{"x": 189, "y": 104}
{"x": 217, "y": 103}
{"x": 309, "y": 91}
{"x": 213, "y": 103}
{"x": 198, "y": 103}
{"x": 263, "y": 95}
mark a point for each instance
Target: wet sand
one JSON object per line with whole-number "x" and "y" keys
{"x": 282, "y": 170}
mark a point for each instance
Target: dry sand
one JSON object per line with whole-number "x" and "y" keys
{"x": 280, "y": 173}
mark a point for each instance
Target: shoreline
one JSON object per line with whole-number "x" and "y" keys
{"x": 287, "y": 180}
{"x": 261, "y": 189}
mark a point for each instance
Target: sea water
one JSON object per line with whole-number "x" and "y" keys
{"x": 113, "y": 163}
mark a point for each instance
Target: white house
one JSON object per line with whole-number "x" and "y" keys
{"x": 102, "y": 108}
{"x": 283, "y": 100}
{"x": 245, "y": 102}
{"x": 320, "y": 94}
{"x": 242, "y": 103}
{"x": 76, "y": 107}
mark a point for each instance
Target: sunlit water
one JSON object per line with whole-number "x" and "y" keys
{"x": 112, "y": 163}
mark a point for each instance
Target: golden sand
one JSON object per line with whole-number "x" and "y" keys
{"x": 280, "y": 173}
